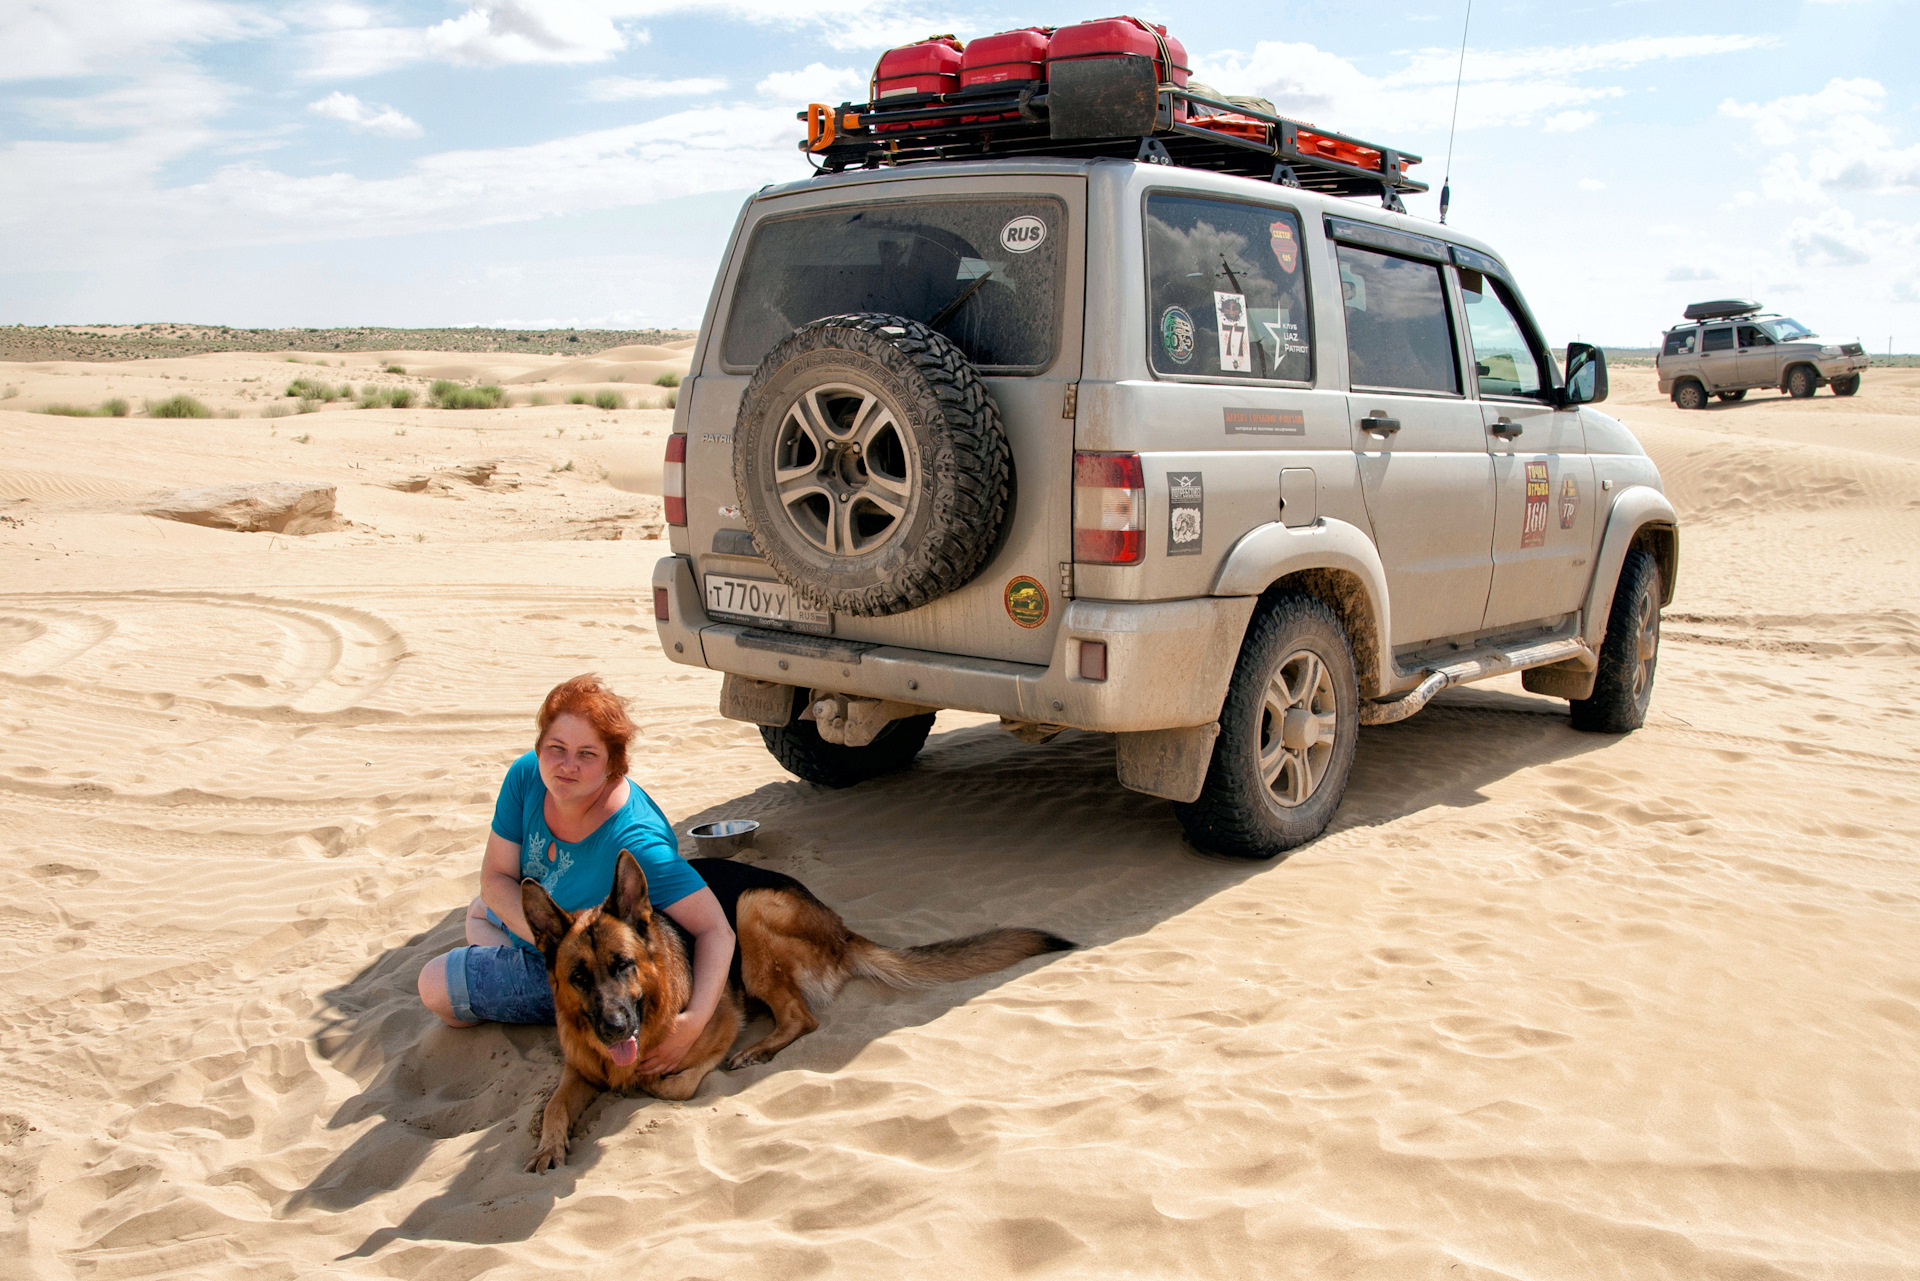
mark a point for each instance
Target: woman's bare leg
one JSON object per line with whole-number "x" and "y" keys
{"x": 434, "y": 995}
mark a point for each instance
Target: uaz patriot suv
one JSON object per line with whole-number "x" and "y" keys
{"x": 1224, "y": 466}
{"x": 1729, "y": 347}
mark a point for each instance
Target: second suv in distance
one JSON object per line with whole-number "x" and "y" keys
{"x": 1729, "y": 347}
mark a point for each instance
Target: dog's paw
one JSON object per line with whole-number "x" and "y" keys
{"x": 747, "y": 1058}
{"x": 548, "y": 1156}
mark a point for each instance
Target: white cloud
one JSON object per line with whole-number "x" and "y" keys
{"x": 365, "y": 117}
{"x": 1571, "y": 121}
{"x": 1782, "y": 121}
{"x": 1847, "y": 147}
{"x": 45, "y": 39}
{"x": 816, "y": 82}
{"x": 348, "y": 40}
{"x": 622, "y": 88}
{"x": 1680, "y": 275}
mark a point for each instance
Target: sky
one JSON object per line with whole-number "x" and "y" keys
{"x": 552, "y": 163}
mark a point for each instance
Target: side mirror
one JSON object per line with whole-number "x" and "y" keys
{"x": 1586, "y": 375}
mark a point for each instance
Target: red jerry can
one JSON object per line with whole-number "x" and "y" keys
{"x": 1117, "y": 37}
{"x": 1010, "y": 55}
{"x": 927, "y": 66}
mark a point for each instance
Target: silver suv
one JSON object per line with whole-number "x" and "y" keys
{"x": 1729, "y": 347}
{"x": 1225, "y": 467}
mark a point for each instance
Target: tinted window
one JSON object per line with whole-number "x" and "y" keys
{"x": 984, "y": 273}
{"x": 1503, "y": 359}
{"x": 1398, "y": 334}
{"x": 1226, "y": 290}
{"x": 1720, "y": 339}
{"x": 1679, "y": 343}
{"x": 1754, "y": 336}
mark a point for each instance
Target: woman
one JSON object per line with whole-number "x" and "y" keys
{"x": 565, "y": 812}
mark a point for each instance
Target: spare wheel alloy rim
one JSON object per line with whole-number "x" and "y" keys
{"x": 843, "y": 469}
{"x": 1298, "y": 723}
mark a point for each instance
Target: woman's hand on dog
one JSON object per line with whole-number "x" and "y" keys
{"x": 666, "y": 1056}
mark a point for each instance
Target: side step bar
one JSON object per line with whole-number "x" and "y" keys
{"x": 1473, "y": 669}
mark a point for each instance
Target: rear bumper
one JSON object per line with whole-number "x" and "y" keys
{"x": 1168, "y": 662}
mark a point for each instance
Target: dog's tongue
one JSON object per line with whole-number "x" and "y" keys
{"x": 626, "y": 1052}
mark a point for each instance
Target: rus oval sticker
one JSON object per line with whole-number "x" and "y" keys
{"x": 1023, "y": 235}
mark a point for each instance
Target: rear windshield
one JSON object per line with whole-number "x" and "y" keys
{"x": 985, "y": 273}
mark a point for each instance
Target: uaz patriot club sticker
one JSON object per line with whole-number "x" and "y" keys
{"x": 1176, "y": 334}
{"x": 1023, "y": 235}
{"x": 1026, "y": 601}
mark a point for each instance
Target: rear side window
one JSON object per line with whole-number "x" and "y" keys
{"x": 985, "y": 273}
{"x": 1226, "y": 290}
{"x": 1398, "y": 333}
{"x": 1720, "y": 339}
{"x": 1503, "y": 359}
{"x": 1679, "y": 343}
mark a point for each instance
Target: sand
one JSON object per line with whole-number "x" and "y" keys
{"x": 1539, "y": 1005}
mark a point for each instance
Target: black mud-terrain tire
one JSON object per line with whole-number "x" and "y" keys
{"x": 896, "y": 466}
{"x": 798, "y": 746}
{"x": 1802, "y": 382}
{"x": 1845, "y": 385}
{"x": 1238, "y": 813}
{"x": 1623, "y": 689}
{"x": 1690, "y": 395}
{"x": 1728, "y": 397}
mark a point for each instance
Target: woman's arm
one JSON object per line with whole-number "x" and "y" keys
{"x": 699, "y": 912}
{"x": 500, "y": 884}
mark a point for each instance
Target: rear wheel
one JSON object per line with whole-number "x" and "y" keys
{"x": 1288, "y": 731}
{"x": 798, "y": 746}
{"x": 1732, "y": 395}
{"x": 1846, "y": 386}
{"x": 1802, "y": 382}
{"x": 1690, "y": 395}
{"x": 1624, "y": 687}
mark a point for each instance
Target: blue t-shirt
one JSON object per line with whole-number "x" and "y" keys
{"x": 579, "y": 875}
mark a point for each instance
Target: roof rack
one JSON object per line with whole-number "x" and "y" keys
{"x": 1104, "y": 108}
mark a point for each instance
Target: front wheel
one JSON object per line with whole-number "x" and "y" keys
{"x": 798, "y": 746}
{"x": 1846, "y": 386}
{"x": 1287, "y": 735}
{"x": 1624, "y": 686}
{"x": 1690, "y": 395}
{"x": 1802, "y": 382}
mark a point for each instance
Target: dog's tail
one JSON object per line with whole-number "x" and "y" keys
{"x": 950, "y": 960}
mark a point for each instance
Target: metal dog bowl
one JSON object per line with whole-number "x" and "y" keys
{"x": 718, "y": 840}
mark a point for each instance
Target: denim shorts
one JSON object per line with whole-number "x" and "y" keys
{"x": 505, "y": 984}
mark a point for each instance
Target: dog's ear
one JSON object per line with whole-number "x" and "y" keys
{"x": 628, "y": 899}
{"x": 549, "y": 923}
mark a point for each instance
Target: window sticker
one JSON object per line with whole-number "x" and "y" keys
{"x": 1176, "y": 334}
{"x": 1533, "y": 524}
{"x": 1230, "y": 313}
{"x": 1186, "y": 497}
{"x": 1285, "y": 249}
{"x": 1023, "y": 235}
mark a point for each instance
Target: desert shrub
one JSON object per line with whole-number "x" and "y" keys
{"x": 115, "y": 408}
{"x": 308, "y": 405}
{"x": 610, "y": 400}
{"x": 69, "y": 411}
{"x": 447, "y": 394}
{"x": 9, "y": 393}
{"x": 667, "y": 380}
{"x": 538, "y": 398}
{"x": 386, "y": 398}
{"x": 312, "y": 389}
{"x": 671, "y": 401}
{"x": 578, "y": 398}
{"x": 394, "y": 369}
{"x": 181, "y": 406}
{"x": 276, "y": 411}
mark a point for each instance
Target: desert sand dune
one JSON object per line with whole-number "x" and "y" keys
{"x": 1539, "y": 1004}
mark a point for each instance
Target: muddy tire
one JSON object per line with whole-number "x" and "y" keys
{"x": 1624, "y": 687}
{"x": 1288, "y": 731}
{"x": 1728, "y": 397}
{"x": 870, "y": 464}
{"x": 797, "y": 745}
{"x": 1690, "y": 395}
{"x": 1845, "y": 386}
{"x": 1802, "y": 382}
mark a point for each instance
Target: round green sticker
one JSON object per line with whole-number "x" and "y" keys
{"x": 1176, "y": 334}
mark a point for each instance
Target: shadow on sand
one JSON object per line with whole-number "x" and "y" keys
{"x": 982, "y": 831}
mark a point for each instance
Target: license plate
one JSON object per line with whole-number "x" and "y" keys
{"x": 763, "y": 602}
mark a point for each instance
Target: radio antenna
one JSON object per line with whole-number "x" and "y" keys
{"x": 1446, "y": 183}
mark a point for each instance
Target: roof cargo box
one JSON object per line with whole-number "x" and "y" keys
{"x": 1720, "y": 309}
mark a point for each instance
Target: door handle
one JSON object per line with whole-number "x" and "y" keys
{"x": 1378, "y": 424}
{"x": 1506, "y": 428}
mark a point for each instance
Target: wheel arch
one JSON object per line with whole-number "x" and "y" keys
{"x": 1786, "y": 371}
{"x": 1337, "y": 564}
{"x": 1641, "y": 517}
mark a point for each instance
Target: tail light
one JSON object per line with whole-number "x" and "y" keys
{"x": 673, "y": 479}
{"x": 1109, "y": 509}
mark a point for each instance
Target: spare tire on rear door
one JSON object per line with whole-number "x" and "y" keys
{"x": 870, "y": 464}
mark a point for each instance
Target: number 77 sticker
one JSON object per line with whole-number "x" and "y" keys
{"x": 1230, "y": 314}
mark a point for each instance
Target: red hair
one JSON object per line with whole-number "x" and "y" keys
{"x": 585, "y": 697}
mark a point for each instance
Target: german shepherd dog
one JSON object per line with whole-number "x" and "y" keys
{"x": 621, "y": 973}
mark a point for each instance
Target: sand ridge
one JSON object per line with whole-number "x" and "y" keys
{"x": 1539, "y": 1004}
